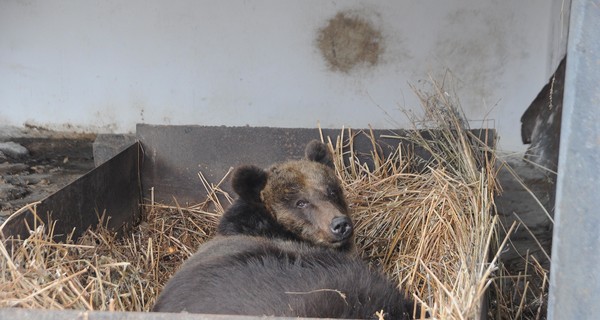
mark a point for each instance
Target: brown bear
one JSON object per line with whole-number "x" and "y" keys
{"x": 283, "y": 249}
{"x": 296, "y": 200}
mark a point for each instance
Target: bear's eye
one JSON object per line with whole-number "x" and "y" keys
{"x": 331, "y": 193}
{"x": 301, "y": 203}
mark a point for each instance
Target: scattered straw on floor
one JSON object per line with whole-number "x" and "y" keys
{"x": 427, "y": 223}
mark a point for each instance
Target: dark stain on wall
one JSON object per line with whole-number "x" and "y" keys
{"x": 349, "y": 40}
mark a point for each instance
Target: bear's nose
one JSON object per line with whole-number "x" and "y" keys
{"x": 341, "y": 227}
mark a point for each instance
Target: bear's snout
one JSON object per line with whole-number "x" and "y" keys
{"x": 341, "y": 228}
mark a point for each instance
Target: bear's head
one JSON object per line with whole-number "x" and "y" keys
{"x": 304, "y": 197}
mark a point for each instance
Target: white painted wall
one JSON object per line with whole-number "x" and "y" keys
{"x": 106, "y": 65}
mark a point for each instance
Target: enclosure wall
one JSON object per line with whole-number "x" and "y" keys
{"x": 105, "y": 66}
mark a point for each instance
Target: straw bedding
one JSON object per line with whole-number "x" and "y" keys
{"x": 427, "y": 223}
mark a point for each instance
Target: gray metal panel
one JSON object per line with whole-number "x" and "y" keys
{"x": 575, "y": 272}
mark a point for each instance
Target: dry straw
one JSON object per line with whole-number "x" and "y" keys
{"x": 101, "y": 271}
{"x": 426, "y": 221}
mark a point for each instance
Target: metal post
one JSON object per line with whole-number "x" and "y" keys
{"x": 575, "y": 271}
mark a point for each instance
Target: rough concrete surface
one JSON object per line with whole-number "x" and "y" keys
{"x": 35, "y": 164}
{"x": 13, "y": 150}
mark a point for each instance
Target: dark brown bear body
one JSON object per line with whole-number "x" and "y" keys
{"x": 282, "y": 249}
{"x": 247, "y": 275}
{"x": 295, "y": 200}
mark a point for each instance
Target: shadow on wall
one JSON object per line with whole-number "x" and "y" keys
{"x": 529, "y": 189}
{"x": 540, "y": 124}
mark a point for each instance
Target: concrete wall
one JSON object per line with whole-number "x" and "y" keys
{"x": 104, "y": 66}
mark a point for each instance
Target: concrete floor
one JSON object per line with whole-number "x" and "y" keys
{"x": 46, "y": 162}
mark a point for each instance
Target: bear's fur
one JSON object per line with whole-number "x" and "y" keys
{"x": 247, "y": 275}
{"x": 295, "y": 200}
{"x": 283, "y": 249}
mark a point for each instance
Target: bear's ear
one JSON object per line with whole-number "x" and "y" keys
{"x": 248, "y": 181}
{"x": 318, "y": 151}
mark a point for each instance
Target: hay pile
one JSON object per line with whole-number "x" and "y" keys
{"x": 427, "y": 223}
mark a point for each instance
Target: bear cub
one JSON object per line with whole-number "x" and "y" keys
{"x": 298, "y": 200}
{"x": 284, "y": 248}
